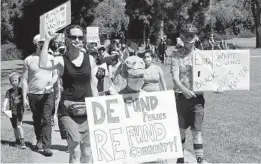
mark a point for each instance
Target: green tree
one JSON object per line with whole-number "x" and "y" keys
{"x": 111, "y": 18}
{"x": 256, "y": 11}
{"x": 166, "y": 12}
{"x": 21, "y": 19}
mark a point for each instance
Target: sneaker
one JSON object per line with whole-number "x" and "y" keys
{"x": 22, "y": 146}
{"x": 47, "y": 152}
{"x": 39, "y": 145}
{"x": 180, "y": 160}
{"x": 199, "y": 159}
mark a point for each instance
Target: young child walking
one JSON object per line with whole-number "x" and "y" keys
{"x": 14, "y": 102}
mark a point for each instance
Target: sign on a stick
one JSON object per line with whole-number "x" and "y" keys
{"x": 55, "y": 19}
{"x": 133, "y": 128}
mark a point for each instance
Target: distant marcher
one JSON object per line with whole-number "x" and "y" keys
{"x": 39, "y": 83}
{"x": 118, "y": 81}
{"x": 162, "y": 50}
{"x": 153, "y": 76}
{"x": 14, "y": 102}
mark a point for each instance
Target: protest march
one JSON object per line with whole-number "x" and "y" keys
{"x": 107, "y": 93}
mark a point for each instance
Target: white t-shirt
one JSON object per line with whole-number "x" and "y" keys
{"x": 39, "y": 80}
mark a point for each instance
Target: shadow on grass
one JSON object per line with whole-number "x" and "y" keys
{"x": 58, "y": 147}
{"x": 13, "y": 144}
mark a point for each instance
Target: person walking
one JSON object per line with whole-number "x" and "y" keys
{"x": 162, "y": 50}
{"x": 190, "y": 105}
{"x": 38, "y": 86}
{"x": 153, "y": 76}
{"x": 77, "y": 70}
{"x": 14, "y": 103}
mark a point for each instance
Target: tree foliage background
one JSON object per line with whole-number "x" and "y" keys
{"x": 138, "y": 19}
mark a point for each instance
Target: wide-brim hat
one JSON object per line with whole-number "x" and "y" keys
{"x": 133, "y": 66}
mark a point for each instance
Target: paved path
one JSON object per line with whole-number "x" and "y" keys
{"x": 60, "y": 156}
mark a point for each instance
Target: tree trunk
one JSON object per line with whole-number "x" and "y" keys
{"x": 258, "y": 36}
{"x": 144, "y": 35}
{"x": 256, "y": 11}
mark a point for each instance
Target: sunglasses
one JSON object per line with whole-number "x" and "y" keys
{"x": 73, "y": 37}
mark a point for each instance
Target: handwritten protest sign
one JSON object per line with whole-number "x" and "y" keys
{"x": 134, "y": 127}
{"x": 92, "y": 35}
{"x": 55, "y": 19}
{"x": 221, "y": 70}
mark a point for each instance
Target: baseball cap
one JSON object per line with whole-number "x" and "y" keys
{"x": 37, "y": 39}
{"x": 133, "y": 66}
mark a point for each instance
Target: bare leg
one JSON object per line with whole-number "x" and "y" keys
{"x": 75, "y": 152}
{"x": 86, "y": 153}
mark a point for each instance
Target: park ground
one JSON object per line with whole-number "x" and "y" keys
{"x": 232, "y": 123}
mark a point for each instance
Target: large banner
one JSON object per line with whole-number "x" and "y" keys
{"x": 55, "y": 19}
{"x": 134, "y": 127}
{"x": 221, "y": 70}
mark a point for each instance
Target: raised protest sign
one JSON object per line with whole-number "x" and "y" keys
{"x": 55, "y": 19}
{"x": 92, "y": 35}
{"x": 134, "y": 127}
{"x": 221, "y": 70}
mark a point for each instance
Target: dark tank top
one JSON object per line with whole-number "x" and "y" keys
{"x": 76, "y": 82}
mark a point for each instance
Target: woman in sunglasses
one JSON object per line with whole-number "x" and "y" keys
{"x": 76, "y": 69}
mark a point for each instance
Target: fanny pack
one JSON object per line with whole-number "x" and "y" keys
{"x": 76, "y": 108}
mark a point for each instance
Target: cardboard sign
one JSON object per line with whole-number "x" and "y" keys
{"x": 221, "y": 70}
{"x": 55, "y": 19}
{"x": 92, "y": 35}
{"x": 133, "y": 128}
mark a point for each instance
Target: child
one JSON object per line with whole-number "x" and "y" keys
{"x": 14, "y": 102}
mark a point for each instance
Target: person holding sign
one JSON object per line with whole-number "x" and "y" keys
{"x": 133, "y": 70}
{"x": 190, "y": 105}
{"x": 77, "y": 70}
{"x": 14, "y": 102}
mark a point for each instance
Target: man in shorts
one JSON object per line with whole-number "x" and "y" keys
{"x": 190, "y": 105}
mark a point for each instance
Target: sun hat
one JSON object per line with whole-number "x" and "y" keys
{"x": 134, "y": 66}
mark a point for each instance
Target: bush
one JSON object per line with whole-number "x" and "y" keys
{"x": 9, "y": 51}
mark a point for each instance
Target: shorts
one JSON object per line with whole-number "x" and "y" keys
{"x": 16, "y": 119}
{"x": 190, "y": 111}
{"x": 77, "y": 128}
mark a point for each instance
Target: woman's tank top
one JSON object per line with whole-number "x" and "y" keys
{"x": 76, "y": 80}
{"x": 151, "y": 79}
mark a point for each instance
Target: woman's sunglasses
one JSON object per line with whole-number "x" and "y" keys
{"x": 73, "y": 37}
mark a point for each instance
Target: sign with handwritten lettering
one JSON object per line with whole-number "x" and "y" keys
{"x": 132, "y": 128}
{"x": 55, "y": 19}
{"x": 221, "y": 70}
{"x": 92, "y": 35}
